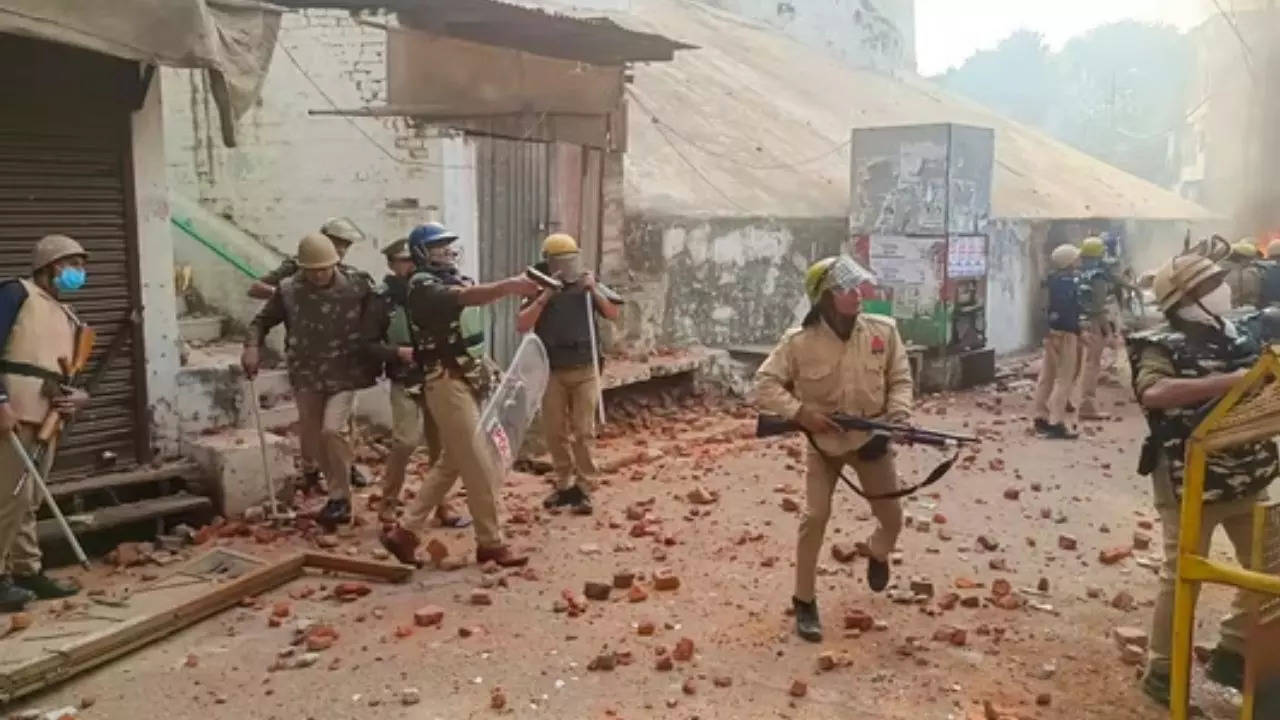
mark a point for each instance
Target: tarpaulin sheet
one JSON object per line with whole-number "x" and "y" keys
{"x": 232, "y": 39}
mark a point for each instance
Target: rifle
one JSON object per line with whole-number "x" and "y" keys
{"x": 556, "y": 284}
{"x": 54, "y": 423}
{"x": 771, "y": 425}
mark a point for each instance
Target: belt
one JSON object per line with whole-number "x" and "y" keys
{"x": 11, "y": 367}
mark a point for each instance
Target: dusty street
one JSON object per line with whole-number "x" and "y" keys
{"x": 698, "y": 496}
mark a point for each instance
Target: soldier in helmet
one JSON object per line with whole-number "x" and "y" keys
{"x": 1061, "y": 346}
{"x": 1244, "y": 276}
{"x": 37, "y": 328}
{"x": 343, "y": 233}
{"x": 447, "y": 325}
{"x": 569, "y": 406}
{"x": 1180, "y": 368}
{"x": 1098, "y": 302}
{"x": 389, "y": 340}
{"x": 321, "y": 308}
{"x": 839, "y": 360}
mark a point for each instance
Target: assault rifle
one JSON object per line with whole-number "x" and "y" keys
{"x": 552, "y": 283}
{"x": 772, "y": 425}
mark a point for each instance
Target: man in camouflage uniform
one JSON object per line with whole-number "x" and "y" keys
{"x": 1179, "y": 370}
{"x": 840, "y": 360}
{"x": 343, "y": 233}
{"x": 389, "y": 340}
{"x": 443, "y": 308}
{"x": 1244, "y": 276}
{"x": 322, "y": 310}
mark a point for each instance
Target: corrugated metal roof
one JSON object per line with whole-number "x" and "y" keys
{"x": 597, "y": 40}
{"x": 753, "y": 101}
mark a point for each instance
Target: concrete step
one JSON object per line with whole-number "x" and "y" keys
{"x": 49, "y": 532}
{"x": 280, "y": 416}
{"x": 201, "y": 329}
{"x": 233, "y": 463}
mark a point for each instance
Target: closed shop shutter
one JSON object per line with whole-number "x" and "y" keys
{"x": 65, "y": 168}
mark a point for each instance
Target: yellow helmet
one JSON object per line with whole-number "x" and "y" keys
{"x": 1064, "y": 256}
{"x": 1273, "y": 249}
{"x": 316, "y": 252}
{"x": 838, "y": 271}
{"x": 559, "y": 244}
{"x": 1181, "y": 275}
{"x": 1245, "y": 248}
{"x": 1093, "y": 247}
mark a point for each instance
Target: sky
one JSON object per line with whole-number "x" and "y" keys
{"x": 948, "y": 31}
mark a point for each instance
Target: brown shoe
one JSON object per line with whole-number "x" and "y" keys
{"x": 502, "y": 555}
{"x": 401, "y": 543}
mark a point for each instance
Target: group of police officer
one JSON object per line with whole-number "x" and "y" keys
{"x": 423, "y": 329}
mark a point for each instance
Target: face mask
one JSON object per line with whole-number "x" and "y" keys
{"x": 1210, "y": 309}
{"x": 567, "y": 267}
{"x": 1218, "y": 301}
{"x": 445, "y": 257}
{"x": 69, "y": 279}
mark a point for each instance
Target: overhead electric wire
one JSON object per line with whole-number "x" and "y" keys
{"x": 1244, "y": 45}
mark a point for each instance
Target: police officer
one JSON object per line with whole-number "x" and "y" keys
{"x": 444, "y": 315}
{"x": 343, "y": 233}
{"x": 36, "y": 330}
{"x": 840, "y": 360}
{"x": 1061, "y": 346}
{"x": 569, "y": 405}
{"x": 1178, "y": 369}
{"x": 322, "y": 311}
{"x": 1243, "y": 275}
{"x": 1098, "y": 288}
{"x": 1270, "y": 269}
{"x": 389, "y": 340}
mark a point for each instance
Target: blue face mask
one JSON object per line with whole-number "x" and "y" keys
{"x": 69, "y": 279}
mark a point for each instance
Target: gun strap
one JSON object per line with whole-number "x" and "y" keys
{"x": 20, "y": 368}
{"x": 934, "y": 476}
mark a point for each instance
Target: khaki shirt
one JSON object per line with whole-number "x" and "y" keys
{"x": 867, "y": 376}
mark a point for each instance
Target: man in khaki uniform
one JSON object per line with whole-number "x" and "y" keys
{"x": 1061, "y": 347}
{"x": 36, "y": 330}
{"x": 343, "y": 233}
{"x": 1244, "y": 276}
{"x": 570, "y": 402}
{"x": 322, "y": 310}
{"x": 1097, "y": 289}
{"x": 443, "y": 306}
{"x": 839, "y": 360}
{"x": 389, "y": 340}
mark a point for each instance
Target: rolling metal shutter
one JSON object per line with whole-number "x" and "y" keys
{"x": 65, "y": 167}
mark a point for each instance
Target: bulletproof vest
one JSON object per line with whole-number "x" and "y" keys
{"x": 1095, "y": 286}
{"x": 1270, "y": 294}
{"x": 1229, "y": 474}
{"x": 563, "y": 328}
{"x": 44, "y": 331}
{"x": 458, "y": 343}
{"x": 1064, "y": 301}
{"x": 324, "y": 329}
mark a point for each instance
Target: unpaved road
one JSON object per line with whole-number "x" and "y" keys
{"x": 734, "y": 561}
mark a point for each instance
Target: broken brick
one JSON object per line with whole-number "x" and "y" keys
{"x": 939, "y": 519}
{"x": 987, "y": 543}
{"x": 722, "y": 681}
{"x": 664, "y": 580}
{"x": 1012, "y": 493}
{"x": 799, "y": 688}
{"x": 844, "y": 552}
{"x": 702, "y": 496}
{"x": 921, "y": 586}
{"x": 623, "y": 580}
{"x": 789, "y": 504}
{"x": 497, "y": 699}
{"x": 1132, "y": 655}
{"x": 481, "y": 597}
{"x": 1130, "y": 636}
{"x": 605, "y": 662}
{"x": 437, "y": 551}
{"x": 684, "y": 650}
{"x": 1067, "y": 542}
{"x": 1111, "y": 556}
{"x": 637, "y": 594}
{"x": 596, "y": 590}
{"x": 826, "y": 661}
{"x": 689, "y": 688}
{"x": 1122, "y": 601}
{"x": 353, "y": 589}
{"x": 949, "y": 601}
{"x": 1141, "y": 541}
{"x": 663, "y": 663}
{"x": 1001, "y": 587}
{"x": 645, "y": 628}
{"x": 428, "y": 616}
{"x": 281, "y": 610}
{"x": 858, "y": 620}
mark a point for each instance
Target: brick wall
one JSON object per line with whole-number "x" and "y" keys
{"x": 292, "y": 170}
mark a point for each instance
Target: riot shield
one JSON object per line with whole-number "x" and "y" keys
{"x": 510, "y": 410}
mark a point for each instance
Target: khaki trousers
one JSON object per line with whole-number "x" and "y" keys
{"x": 569, "y": 422}
{"x": 1093, "y": 338}
{"x": 411, "y": 425}
{"x": 1057, "y": 376}
{"x": 1236, "y": 519}
{"x": 322, "y": 420}
{"x": 463, "y": 453}
{"x": 19, "y": 546}
{"x": 876, "y": 477}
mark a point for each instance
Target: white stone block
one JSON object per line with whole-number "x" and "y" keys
{"x": 233, "y": 460}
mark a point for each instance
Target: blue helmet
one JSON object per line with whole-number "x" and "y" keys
{"x": 429, "y": 235}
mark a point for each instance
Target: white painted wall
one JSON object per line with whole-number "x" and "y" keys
{"x": 155, "y": 268}
{"x": 293, "y": 170}
{"x": 1013, "y": 286}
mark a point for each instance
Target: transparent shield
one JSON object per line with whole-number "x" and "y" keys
{"x": 510, "y": 410}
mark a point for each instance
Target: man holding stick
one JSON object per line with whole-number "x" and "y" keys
{"x": 38, "y": 333}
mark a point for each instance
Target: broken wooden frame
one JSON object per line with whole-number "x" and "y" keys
{"x": 84, "y": 654}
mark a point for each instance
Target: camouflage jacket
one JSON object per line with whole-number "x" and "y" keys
{"x": 449, "y": 337}
{"x": 289, "y": 267}
{"x": 323, "y": 348}
{"x": 1231, "y": 474}
{"x": 386, "y": 329}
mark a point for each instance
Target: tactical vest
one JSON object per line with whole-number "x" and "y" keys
{"x": 562, "y": 328}
{"x": 1095, "y": 286}
{"x": 1064, "y": 302}
{"x": 459, "y": 344}
{"x": 43, "y": 331}
{"x": 399, "y": 333}
{"x": 1270, "y": 294}
{"x": 324, "y": 334}
{"x": 1229, "y": 474}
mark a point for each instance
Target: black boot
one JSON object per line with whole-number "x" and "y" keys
{"x": 1226, "y": 667}
{"x": 45, "y": 587}
{"x": 1041, "y": 426}
{"x": 357, "y": 478}
{"x": 573, "y": 497}
{"x": 311, "y": 481}
{"x": 808, "y": 626}
{"x": 334, "y": 513}
{"x": 12, "y": 597}
{"x": 877, "y": 574}
{"x": 1060, "y": 432}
